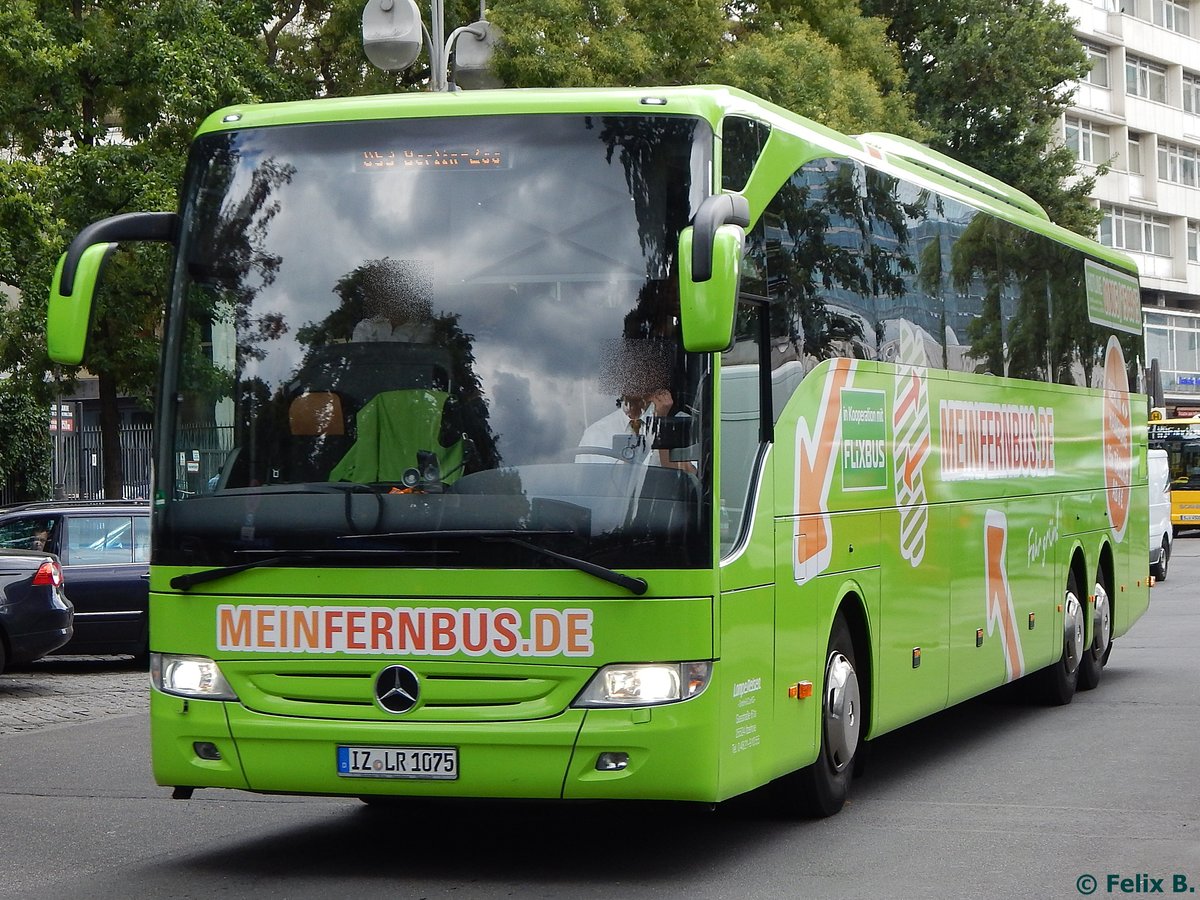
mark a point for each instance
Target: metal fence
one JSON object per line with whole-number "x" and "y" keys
{"x": 76, "y": 466}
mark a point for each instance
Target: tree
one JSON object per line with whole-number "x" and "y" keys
{"x": 25, "y": 451}
{"x": 990, "y": 81}
{"x": 100, "y": 98}
{"x": 819, "y": 58}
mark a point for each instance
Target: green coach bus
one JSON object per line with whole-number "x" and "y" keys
{"x": 632, "y": 443}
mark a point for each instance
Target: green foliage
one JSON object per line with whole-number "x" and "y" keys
{"x": 793, "y": 68}
{"x": 990, "y": 81}
{"x": 25, "y": 450}
{"x": 819, "y": 58}
{"x": 100, "y": 99}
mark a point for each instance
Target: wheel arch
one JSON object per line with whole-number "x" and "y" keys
{"x": 1105, "y": 571}
{"x": 853, "y": 609}
{"x": 1079, "y": 568}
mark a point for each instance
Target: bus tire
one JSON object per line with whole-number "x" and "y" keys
{"x": 1055, "y": 685}
{"x": 1091, "y": 663}
{"x": 820, "y": 790}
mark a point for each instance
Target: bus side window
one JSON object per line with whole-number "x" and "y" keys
{"x": 742, "y": 142}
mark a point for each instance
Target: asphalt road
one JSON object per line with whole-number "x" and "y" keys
{"x": 991, "y": 799}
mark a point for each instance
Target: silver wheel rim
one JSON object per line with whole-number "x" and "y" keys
{"x": 841, "y": 710}
{"x": 1072, "y": 631}
{"x": 1102, "y": 619}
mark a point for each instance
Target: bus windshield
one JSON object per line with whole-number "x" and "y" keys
{"x": 1181, "y": 439}
{"x": 436, "y": 342}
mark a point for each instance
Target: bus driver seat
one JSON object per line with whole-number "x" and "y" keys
{"x": 318, "y": 427}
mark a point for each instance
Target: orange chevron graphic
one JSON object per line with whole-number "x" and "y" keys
{"x": 816, "y": 453}
{"x": 998, "y": 595}
{"x": 914, "y": 461}
{"x": 909, "y": 396}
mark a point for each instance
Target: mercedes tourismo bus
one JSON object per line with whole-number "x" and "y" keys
{"x": 1181, "y": 439}
{"x": 650, "y": 443}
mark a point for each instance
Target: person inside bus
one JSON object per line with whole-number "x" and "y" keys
{"x": 645, "y": 400}
{"x": 629, "y": 430}
{"x": 397, "y": 299}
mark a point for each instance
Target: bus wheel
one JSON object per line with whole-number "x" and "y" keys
{"x": 1091, "y": 664}
{"x": 820, "y": 789}
{"x": 1055, "y": 684}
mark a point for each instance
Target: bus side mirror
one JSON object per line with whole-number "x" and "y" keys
{"x": 710, "y": 261}
{"x": 70, "y": 314}
{"x": 74, "y": 285}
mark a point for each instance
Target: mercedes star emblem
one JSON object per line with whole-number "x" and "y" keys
{"x": 397, "y": 689}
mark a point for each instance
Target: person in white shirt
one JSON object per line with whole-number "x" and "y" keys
{"x": 628, "y": 433}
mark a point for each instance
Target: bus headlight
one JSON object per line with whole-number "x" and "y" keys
{"x": 196, "y": 677}
{"x": 645, "y": 684}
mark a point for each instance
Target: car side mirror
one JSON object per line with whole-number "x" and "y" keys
{"x": 710, "y": 260}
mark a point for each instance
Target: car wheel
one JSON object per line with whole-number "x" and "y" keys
{"x": 3, "y": 655}
{"x": 1163, "y": 560}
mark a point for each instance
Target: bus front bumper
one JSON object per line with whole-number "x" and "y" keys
{"x": 661, "y": 753}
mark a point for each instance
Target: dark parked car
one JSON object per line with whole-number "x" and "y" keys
{"x": 35, "y": 614}
{"x": 104, "y": 548}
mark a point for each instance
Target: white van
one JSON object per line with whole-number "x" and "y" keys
{"x": 1160, "y": 513}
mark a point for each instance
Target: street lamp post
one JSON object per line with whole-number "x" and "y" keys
{"x": 394, "y": 33}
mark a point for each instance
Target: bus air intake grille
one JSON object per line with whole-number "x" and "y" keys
{"x": 465, "y": 691}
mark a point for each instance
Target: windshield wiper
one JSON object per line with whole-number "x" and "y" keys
{"x": 183, "y": 582}
{"x": 515, "y": 536}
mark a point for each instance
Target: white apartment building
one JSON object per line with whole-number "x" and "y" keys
{"x": 1139, "y": 109}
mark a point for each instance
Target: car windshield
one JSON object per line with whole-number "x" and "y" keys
{"x": 421, "y": 336}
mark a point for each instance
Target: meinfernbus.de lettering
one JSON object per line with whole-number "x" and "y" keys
{"x": 518, "y": 444}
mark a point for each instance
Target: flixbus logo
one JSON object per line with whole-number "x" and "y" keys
{"x": 417, "y": 631}
{"x": 864, "y": 439}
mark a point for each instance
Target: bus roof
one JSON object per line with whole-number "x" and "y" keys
{"x": 889, "y": 153}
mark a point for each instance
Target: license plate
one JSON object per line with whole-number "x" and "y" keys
{"x": 398, "y": 762}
